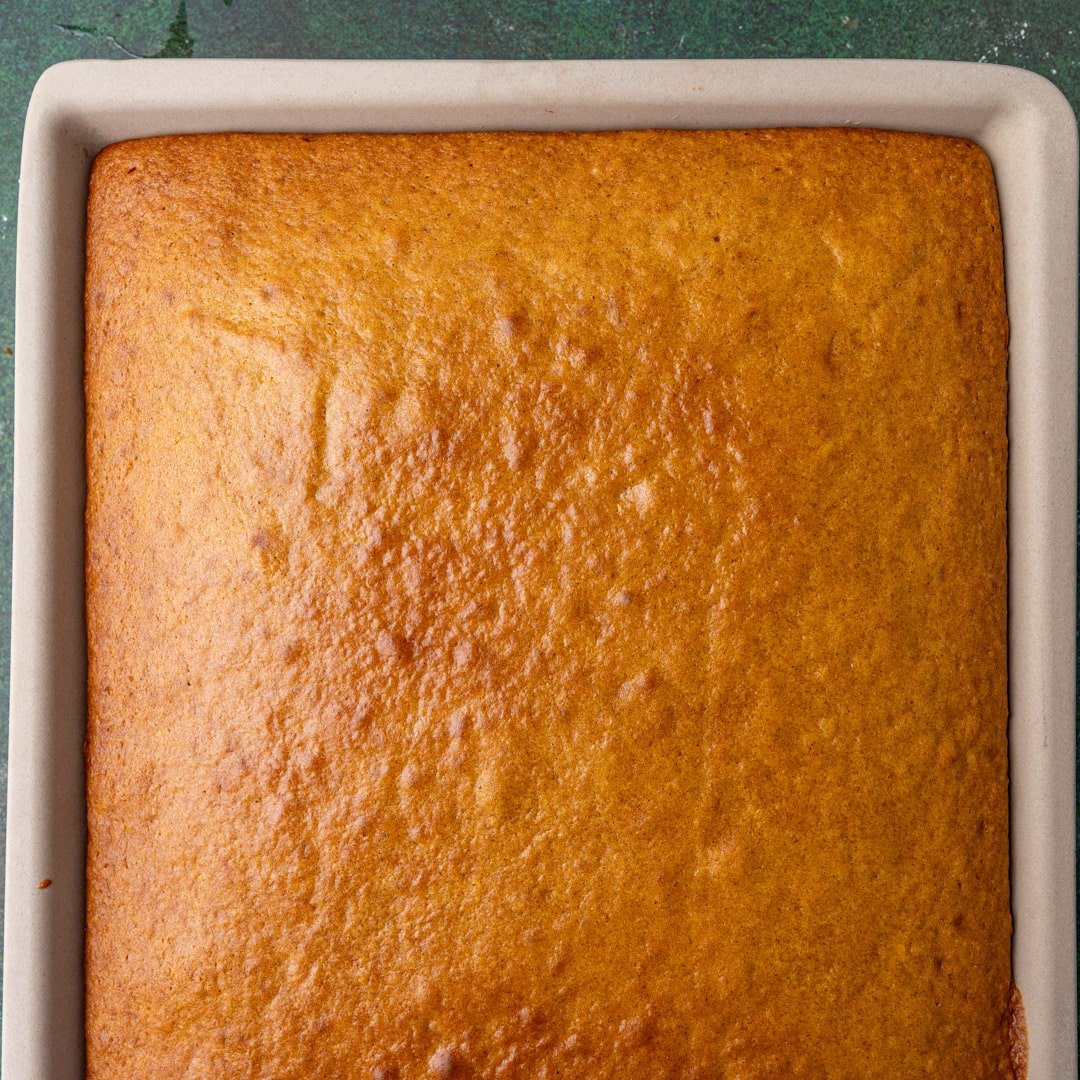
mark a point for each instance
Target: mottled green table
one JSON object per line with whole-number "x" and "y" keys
{"x": 1043, "y": 36}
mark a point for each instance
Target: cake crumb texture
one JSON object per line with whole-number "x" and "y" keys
{"x": 546, "y": 608}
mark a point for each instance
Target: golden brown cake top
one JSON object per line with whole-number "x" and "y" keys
{"x": 546, "y": 607}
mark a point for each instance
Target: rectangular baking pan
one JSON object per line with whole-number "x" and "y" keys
{"x": 1022, "y": 121}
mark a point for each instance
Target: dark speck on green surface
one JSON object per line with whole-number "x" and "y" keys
{"x": 179, "y": 42}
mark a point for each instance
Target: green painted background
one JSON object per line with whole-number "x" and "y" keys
{"x": 1043, "y": 36}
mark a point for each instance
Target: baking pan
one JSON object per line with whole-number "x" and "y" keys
{"x": 1021, "y": 120}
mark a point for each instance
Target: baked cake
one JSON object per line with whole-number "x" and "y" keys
{"x": 546, "y": 608}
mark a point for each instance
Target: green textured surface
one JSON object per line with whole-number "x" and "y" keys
{"x": 1044, "y": 37}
